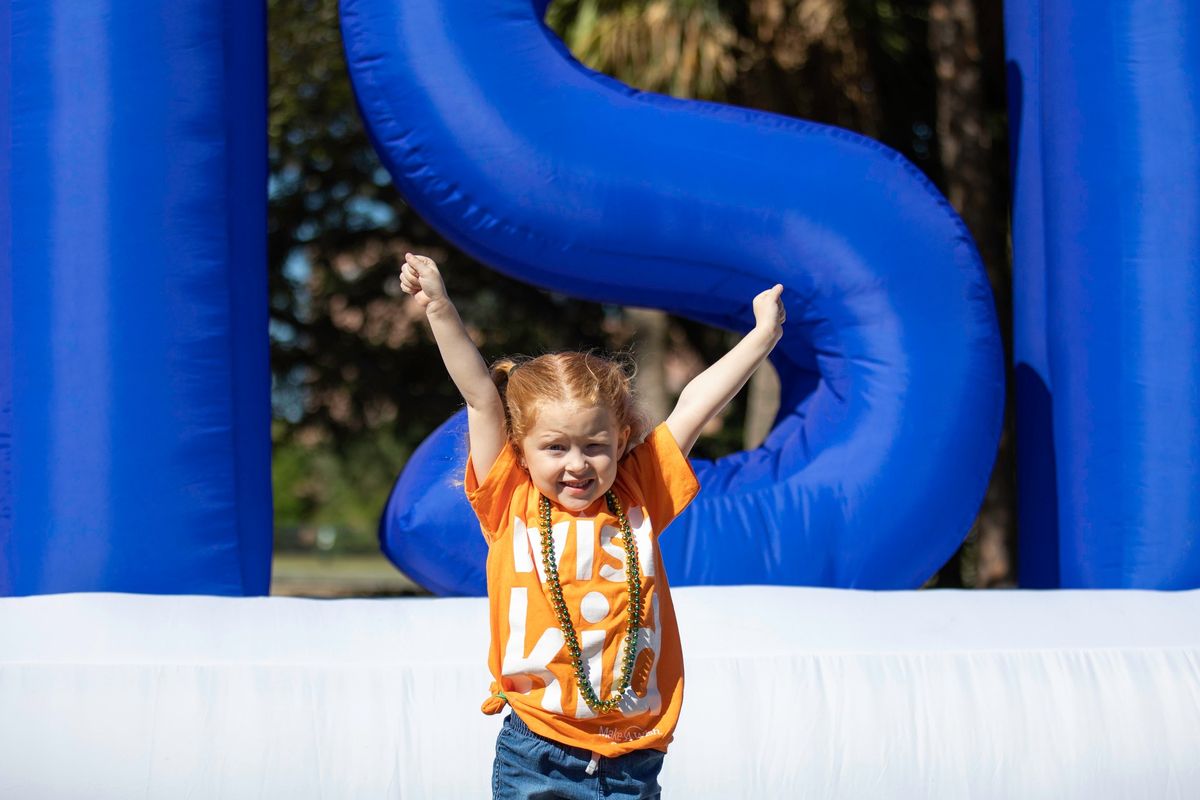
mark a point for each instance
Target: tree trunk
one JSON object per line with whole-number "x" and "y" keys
{"x": 762, "y": 404}
{"x": 966, "y": 147}
{"x": 650, "y": 334}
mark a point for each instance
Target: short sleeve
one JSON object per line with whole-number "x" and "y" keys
{"x": 664, "y": 475}
{"x": 490, "y": 499}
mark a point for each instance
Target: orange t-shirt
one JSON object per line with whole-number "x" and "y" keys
{"x": 528, "y": 657}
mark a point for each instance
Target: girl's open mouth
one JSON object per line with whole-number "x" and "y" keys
{"x": 578, "y": 488}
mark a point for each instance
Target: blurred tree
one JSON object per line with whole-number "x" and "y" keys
{"x": 685, "y": 48}
{"x": 967, "y": 46}
{"x": 809, "y": 58}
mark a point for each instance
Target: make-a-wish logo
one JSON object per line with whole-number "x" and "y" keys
{"x": 626, "y": 734}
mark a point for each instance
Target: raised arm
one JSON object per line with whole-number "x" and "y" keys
{"x": 485, "y": 412}
{"x": 711, "y": 390}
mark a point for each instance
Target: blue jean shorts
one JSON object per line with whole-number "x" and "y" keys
{"x": 532, "y": 767}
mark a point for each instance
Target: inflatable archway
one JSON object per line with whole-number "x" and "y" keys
{"x": 133, "y": 377}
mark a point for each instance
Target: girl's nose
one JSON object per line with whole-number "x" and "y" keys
{"x": 575, "y": 459}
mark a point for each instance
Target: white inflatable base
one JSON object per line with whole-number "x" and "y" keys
{"x": 791, "y": 692}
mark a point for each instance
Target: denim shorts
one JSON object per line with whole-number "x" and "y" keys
{"x": 532, "y": 767}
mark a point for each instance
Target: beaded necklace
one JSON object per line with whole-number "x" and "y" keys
{"x": 564, "y": 616}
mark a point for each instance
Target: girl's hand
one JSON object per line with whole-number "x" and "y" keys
{"x": 769, "y": 313}
{"x": 420, "y": 277}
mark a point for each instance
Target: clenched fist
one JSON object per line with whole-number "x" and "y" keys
{"x": 420, "y": 277}
{"x": 769, "y": 313}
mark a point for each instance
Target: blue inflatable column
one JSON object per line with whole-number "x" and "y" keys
{"x": 1120, "y": 106}
{"x": 134, "y": 388}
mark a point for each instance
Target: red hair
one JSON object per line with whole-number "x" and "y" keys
{"x": 582, "y": 378}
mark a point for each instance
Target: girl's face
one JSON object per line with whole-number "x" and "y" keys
{"x": 572, "y": 451}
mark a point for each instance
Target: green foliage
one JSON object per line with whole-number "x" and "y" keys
{"x": 686, "y": 48}
{"x": 318, "y": 486}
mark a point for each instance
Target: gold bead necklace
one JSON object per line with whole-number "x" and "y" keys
{"x": 633, "y": 578}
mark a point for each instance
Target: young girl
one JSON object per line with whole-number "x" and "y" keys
{"x": 584, "y": 643}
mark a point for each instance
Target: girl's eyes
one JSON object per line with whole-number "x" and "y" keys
{"x": 591, "y": 448}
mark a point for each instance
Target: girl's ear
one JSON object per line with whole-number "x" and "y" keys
{"x": 622, "y": 441}
{"x": 516, "y": 451}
